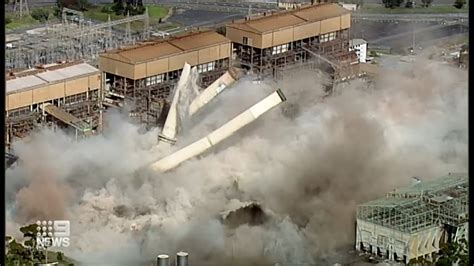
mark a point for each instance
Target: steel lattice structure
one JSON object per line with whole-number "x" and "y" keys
{"x": 427, "y": 204}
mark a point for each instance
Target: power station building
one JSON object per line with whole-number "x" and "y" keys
{"x": 145, "y": 75}
{"x": 415, "y": 221}
{"x": 270, "y": 41}
{"x": 65, "y": 95}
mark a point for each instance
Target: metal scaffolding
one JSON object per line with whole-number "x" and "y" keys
{"x": 267, "y": 61}
{"x": 81, "y": 40}
{"x": 150, "y": 102}
{"x": 424, "y": 205}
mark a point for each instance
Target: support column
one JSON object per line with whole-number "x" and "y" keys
{"x": 251, "y": 59}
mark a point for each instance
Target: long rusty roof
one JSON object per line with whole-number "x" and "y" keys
{"x": 284, "y": 19}
{"x": 153, "y": 50}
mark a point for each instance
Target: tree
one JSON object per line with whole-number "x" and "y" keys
{"x": 455, "y": 252}
{"x": 459, "y": 4}
{"x": 40, "y": 14}
{"x": 132, "y": 7}
{"x": 426, "y": 3}
{"x": 392, "y": 3}
{"x": 27, "y": 253}
{"x": 82, "y": 4}
{"x": 60, "y": 256}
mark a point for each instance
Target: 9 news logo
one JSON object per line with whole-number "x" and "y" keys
{"x": 53, "y": 233}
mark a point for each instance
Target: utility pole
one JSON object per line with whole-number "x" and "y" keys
{"x": 413, "y": 44}
{"x": 21, "y": 6}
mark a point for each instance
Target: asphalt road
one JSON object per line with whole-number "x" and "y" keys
{"x": 234, "y": 3}
{"x": 197, "y": 18}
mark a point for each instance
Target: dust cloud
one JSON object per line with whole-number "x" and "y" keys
{"x": 307, "y": 164}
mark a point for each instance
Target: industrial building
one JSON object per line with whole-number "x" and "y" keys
{"x": 415, "y": 221}
{"x": 145, "y": 75}
{"x": 65, "y": 95}
{"x": 360, "y": 48}
{"x": 273, "y": 40}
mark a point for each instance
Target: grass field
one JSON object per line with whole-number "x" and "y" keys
{"x": 367, "y": 8}
{"x": 25, "y": 21}
{"x": 96, "y": 13}
{"x": 17, "y": 22}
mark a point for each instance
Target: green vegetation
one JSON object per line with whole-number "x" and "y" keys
{"x": 36, "y": 16}
{"x": 102, "y": 12}
{"x": 17, "y": 22}
{"x": 459, "y": 4}
{"x": 40, "y": 14}
{"x": 450, "y": 254}
{"x": 367, "y": 8}
{"x": 28, "y": 253}
{"x": 157, "y": 12}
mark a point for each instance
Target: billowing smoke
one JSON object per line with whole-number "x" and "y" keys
{"x": 307, "y": 164}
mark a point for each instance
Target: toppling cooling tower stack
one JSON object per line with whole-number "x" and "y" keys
{"x": 170, "y": 129}
{"x": 220, "y": 134}
{"x": 213, "y": 90}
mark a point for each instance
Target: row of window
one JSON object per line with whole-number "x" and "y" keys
{"x": 206, "y": 67}
{"x": 327, "y": 37}
{"x": 19, "y": 112}
{"x": 153, "y": 80}
{"x": 280, "y": 48}
{"x": 76, "y": 98}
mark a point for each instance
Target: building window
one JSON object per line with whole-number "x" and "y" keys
{"x": 206, "y": 67}
{"x": 246, "y": 40}
{"x": 19, "y": 112}
{"x": 280, "y": 49}
{"x": 153, "y": 80}
{"x": 328, "y": 37}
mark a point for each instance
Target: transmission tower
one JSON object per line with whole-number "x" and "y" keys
{"x": 21, "y": 6}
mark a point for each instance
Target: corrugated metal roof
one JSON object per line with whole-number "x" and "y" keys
{"x": 23, "y": 83}
{"x": 320, "y": 12}
{"x": 274, "y": 22}
{"x": 204, "y": 39}
{"x": 289, "y": 18}
{"x": 164, "y": 48}
{"x": 50, "y": 77}
{"x": 144, "y": 53}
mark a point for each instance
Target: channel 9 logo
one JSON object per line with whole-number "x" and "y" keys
{"x": 53, "y": 233}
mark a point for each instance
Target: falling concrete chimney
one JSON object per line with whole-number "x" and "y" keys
{"x": 182, "y": 259}
{"x": 415, "y": 180}
{"x": 163, "y": 260}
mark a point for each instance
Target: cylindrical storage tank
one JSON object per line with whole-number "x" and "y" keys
{"x": 163, "y": 260}
{"x": 182, "y": 259}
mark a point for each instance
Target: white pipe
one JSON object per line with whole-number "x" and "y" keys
{"x": 238, "y": 122}
{"x": 213, "y": 90}
{"x": 170, "y": 129}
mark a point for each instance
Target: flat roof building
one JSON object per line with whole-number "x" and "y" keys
{"x": 360, "y": 48}
{"x": 414, "y": 221}
{"x": 66, "y": 93}
{"x": 275, "y": 39}
{"x": 145, "y": 74}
